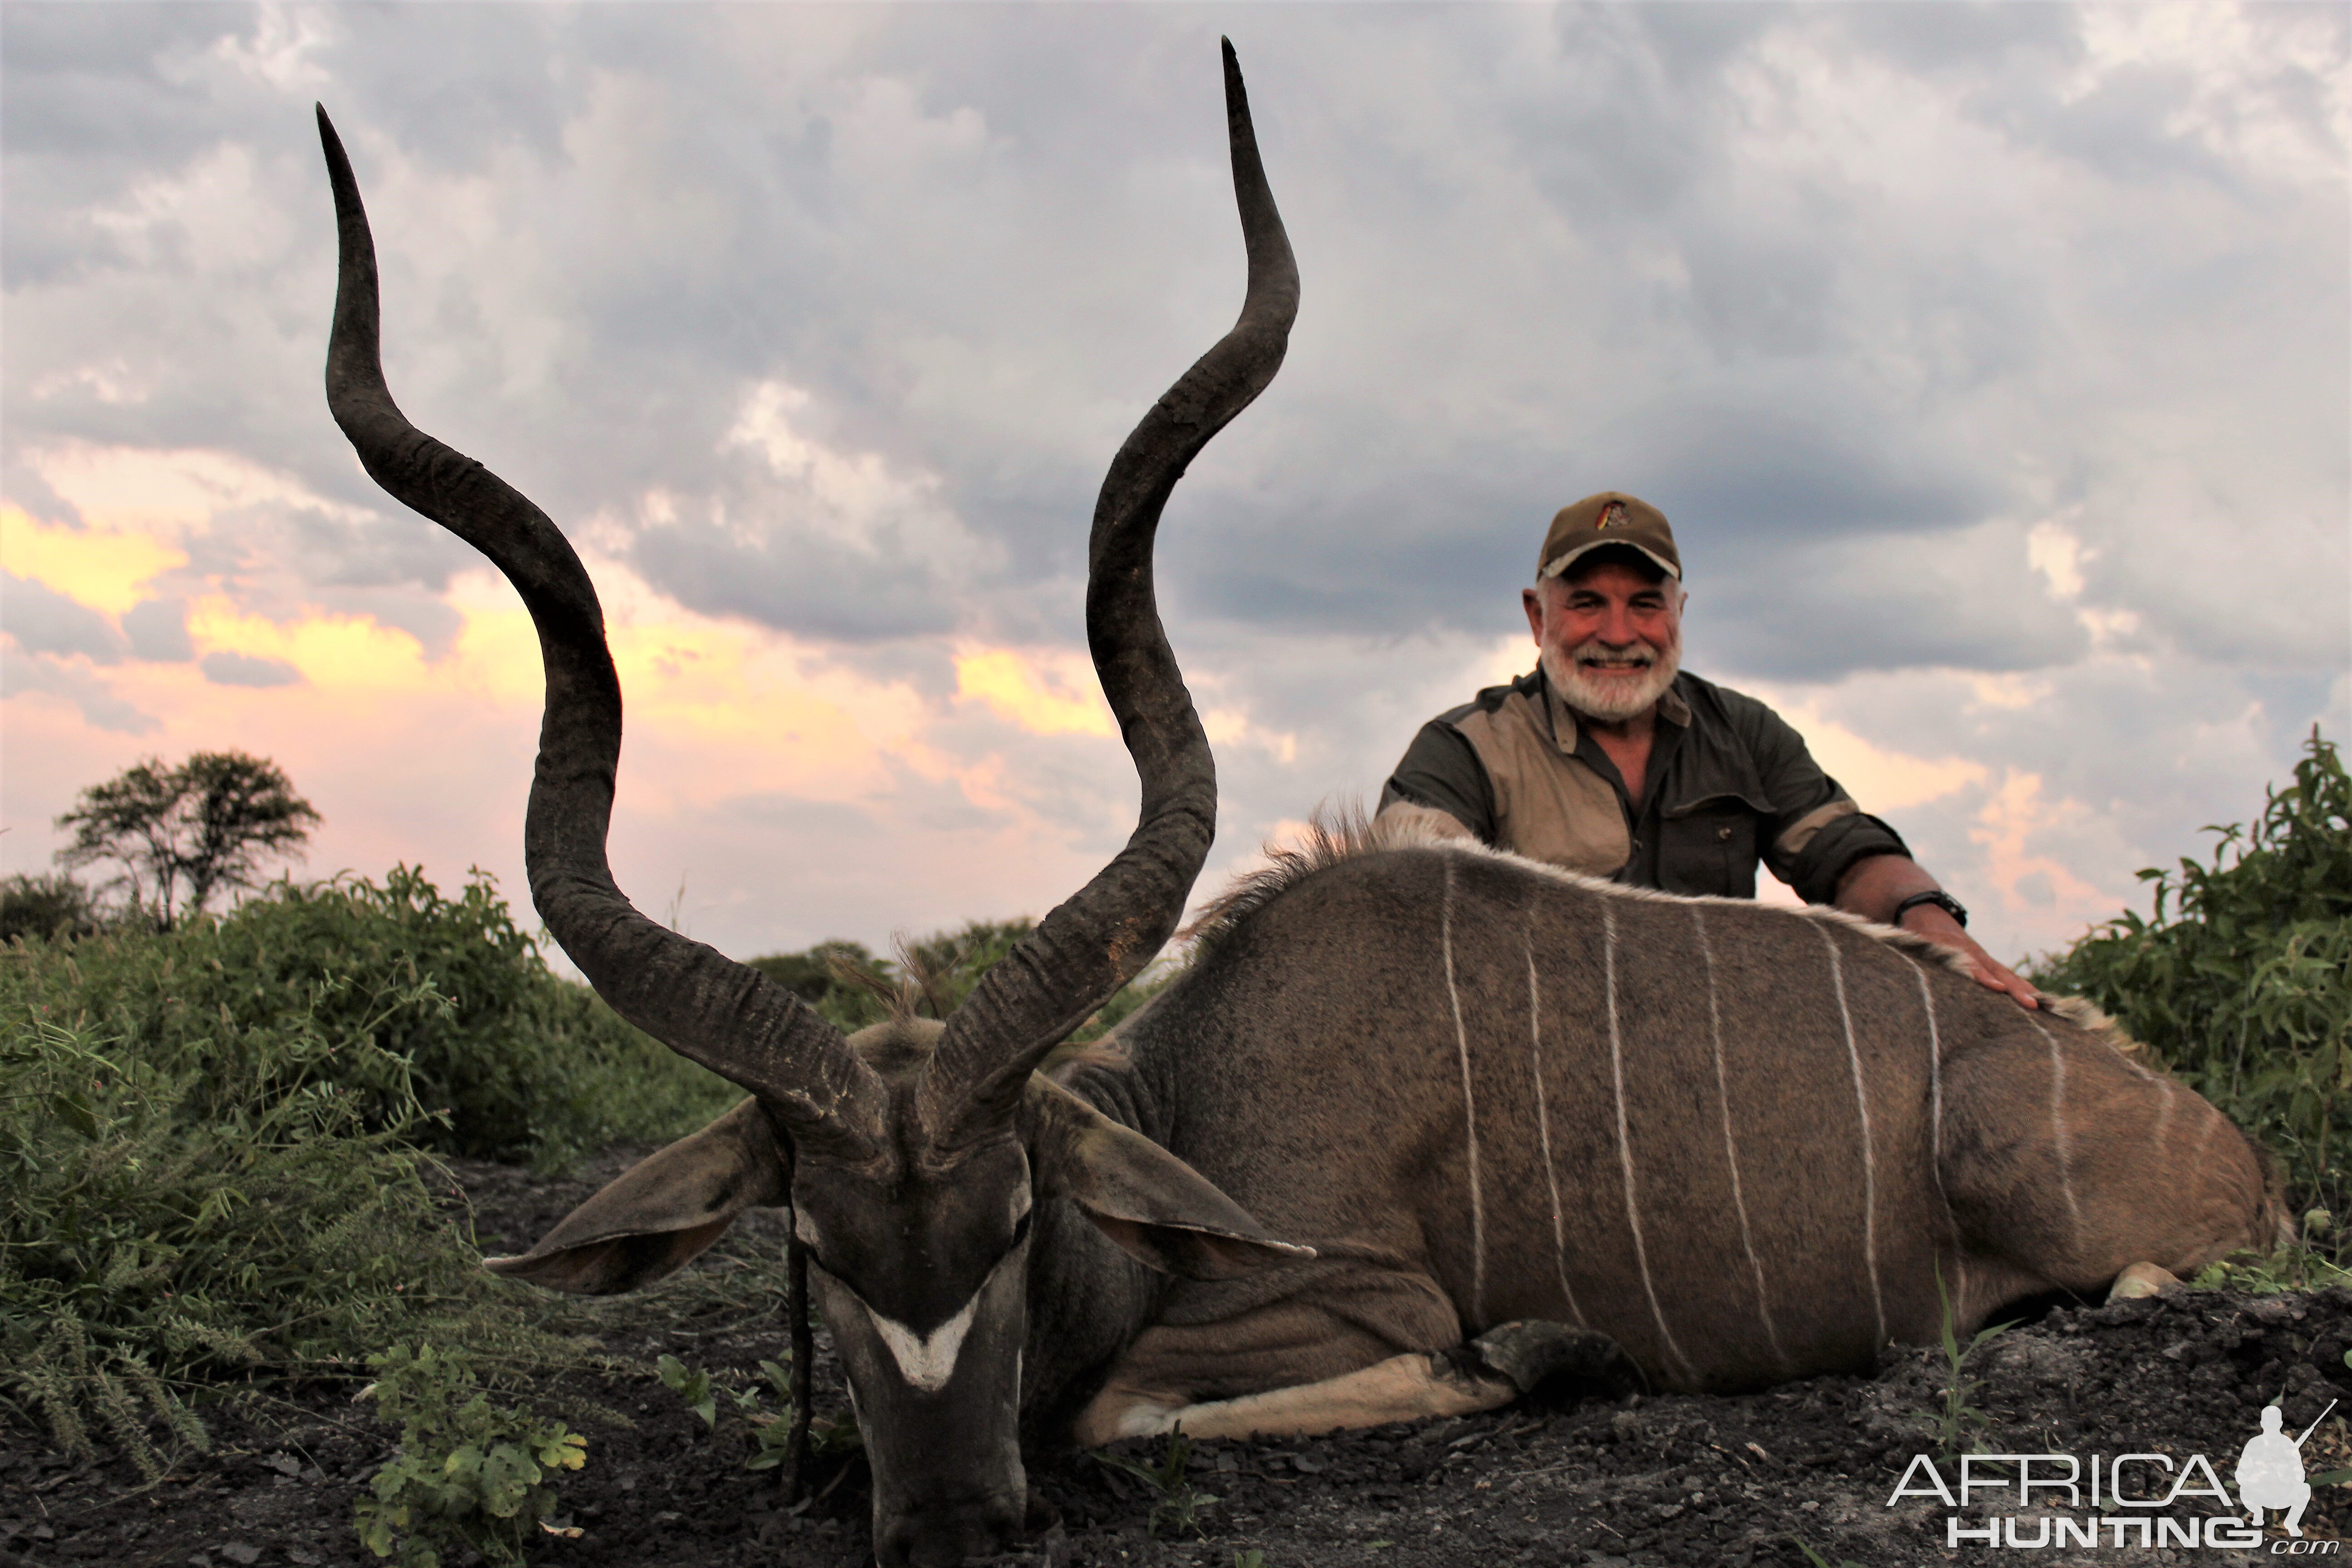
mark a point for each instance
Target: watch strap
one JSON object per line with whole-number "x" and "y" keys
{"x": 1937, "y": 897}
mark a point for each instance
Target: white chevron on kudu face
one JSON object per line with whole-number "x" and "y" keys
{"x": 1730, "y": 1146}
{"x": 1543, "y": 1121}
{"x": 927, "y": 1361}
{"x": 1624, "y": 1138}
{"x": 1869, "y": 1155}
{"x": 1469, "y": 1105}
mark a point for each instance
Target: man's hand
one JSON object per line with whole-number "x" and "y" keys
{"x": 1928, "y": 920}
{"x": 1873, "y": 887}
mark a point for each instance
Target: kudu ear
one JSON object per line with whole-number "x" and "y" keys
{"x": 653, "y": 1217}
{"x": 1152, "y": 1204}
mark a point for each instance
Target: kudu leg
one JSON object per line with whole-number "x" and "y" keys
{"x": 1483, "y": 1373}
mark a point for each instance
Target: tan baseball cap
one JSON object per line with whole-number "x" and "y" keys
{"x": 1608, "y": 518}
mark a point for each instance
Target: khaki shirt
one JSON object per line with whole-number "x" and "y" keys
{"x": 1728, "y": 784}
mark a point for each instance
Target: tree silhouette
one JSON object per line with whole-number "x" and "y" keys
{"x": 206, "y": 823}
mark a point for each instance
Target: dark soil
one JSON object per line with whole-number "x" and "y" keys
{"x": 1674, "y": 1479}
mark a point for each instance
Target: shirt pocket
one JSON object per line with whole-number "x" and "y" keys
{"x": 1708, "y": 846}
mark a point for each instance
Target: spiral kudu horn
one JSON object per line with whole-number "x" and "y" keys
{"x": 1090, "y": 946}
{"x": 692, "y": 999}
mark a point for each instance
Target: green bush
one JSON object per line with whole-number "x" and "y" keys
{"x": 170, "y": 1223}
{"x": 452, "y": 1000}
{"x": 212, "y": 1163}
{"x": 2241, "y": 978}
{"x": 851, "y": 988}
{"x": 47, "y": 906}
{"x": 469, "y": 1473}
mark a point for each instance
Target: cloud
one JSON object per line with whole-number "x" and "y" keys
{"x": 245, "y": 669}
{"x": 41, "y": 620}
{"x": 100, "y": 713}
{"x": 102, "y": 567}
{"x": 158, "y": 629}
{"x": 1057, "y": 699}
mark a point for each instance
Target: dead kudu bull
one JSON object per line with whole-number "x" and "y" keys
{"x": 1421, "y": 1125}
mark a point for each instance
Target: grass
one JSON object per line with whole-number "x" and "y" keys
{"x": 1959, "y": 1420}
{"x": 2295, "y": 1267}
{"x": 1175, "y": 1501}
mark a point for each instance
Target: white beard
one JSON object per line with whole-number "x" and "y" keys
{"x": 1607, "y": 698}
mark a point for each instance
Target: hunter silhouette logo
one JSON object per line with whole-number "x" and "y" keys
{"x": 2270, "y": 1471}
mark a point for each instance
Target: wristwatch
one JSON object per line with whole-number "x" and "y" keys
{"x": 1937, "y": 897}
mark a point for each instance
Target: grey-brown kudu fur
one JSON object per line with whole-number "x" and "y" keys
{"x": 1421, "y": 1125}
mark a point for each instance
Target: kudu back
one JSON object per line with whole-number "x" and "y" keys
{"x": 1421, "y": 1127}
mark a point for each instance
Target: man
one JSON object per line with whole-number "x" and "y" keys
{"x": 1606, "y": 759}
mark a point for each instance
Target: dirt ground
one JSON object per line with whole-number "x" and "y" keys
{"x": 1763, "y": 1478}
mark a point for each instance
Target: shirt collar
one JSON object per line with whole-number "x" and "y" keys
{"x": 1564, "y": 729}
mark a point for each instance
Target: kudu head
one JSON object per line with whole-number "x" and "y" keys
{"x": 911, "y": 1155}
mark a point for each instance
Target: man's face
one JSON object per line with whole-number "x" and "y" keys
{"x": 1611, "y": 637}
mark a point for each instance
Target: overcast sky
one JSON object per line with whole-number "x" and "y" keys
{"x": 1991, "y": 362}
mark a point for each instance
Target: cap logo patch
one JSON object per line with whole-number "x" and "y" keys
{"x": 1614, "y": 512}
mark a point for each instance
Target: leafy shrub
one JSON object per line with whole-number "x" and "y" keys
{"x": 450, "y": 1000}
{"x": 2245, "y": 987}
{"x": 469, "y": 1473}
{"x": 166, "y": 1222}
{"x": 842, "y": 980}
{"x": 209, "y": 1141}
{"x": 850, "y": 987}
{"x": 45, "y": 905}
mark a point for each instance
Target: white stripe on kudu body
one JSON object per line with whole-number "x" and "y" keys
{"x": 2058, "y": 1129}
{"x": 1543, "y": 1120}
{"x": 1624, "y": 1141}
{"x": 1730, "y": 1148}
{"x": 2163, "y": 1117}
{"x": 1959, "y": 1287}
{"x": 1869, "y": 1157}
{"x": 1469, "y": 1107}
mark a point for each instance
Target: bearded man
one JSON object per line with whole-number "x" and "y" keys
{"x": 1610, "y": 760}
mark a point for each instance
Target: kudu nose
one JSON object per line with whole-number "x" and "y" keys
{"x": 944, "y": 1536}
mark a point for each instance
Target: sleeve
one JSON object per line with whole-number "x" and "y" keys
{"x": 1439, "y": 770}
{"x": 1815, "y": 833}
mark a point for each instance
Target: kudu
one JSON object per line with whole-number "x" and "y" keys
{"x": 1420, "y": 1124}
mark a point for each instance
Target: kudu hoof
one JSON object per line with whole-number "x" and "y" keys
{"x": 1532, "y": 1353}
{"x": 2142, "y": 1279}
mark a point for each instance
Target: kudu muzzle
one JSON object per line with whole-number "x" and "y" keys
{"x": 941, "y": 1417}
